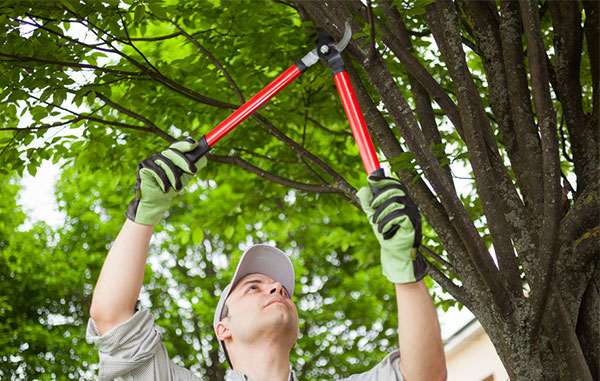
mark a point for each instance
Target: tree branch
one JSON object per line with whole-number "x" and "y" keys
{"x": 155, "y": 74}
{"x": 526, "y": 134}
{"x": 252, "y": 153}
{"x": 421, "y": 98}
{"x": 272, "y": 177}
{"x": 77, "y": 42}
{"x": 71, "y": 64}
{"x": 542, "y": 274}
{"x": 437, "y": 258}
{"x": 483, "y": 15}
{"x": 584, "y": 214}
{"x": 151, "y": 126}
{"x": 44, "y": 126}
{"x": 100, "y": 120}
{"x": 304, "y": 153}
{"x": 159, "y": 38}
{"x": 329, "y": 131}
{"x": 592, "y": 23}
{"x": 457, "y": 292}
{"x": 482, "y": 147}
{"x": 10, "y": 141}
{"x": 132, "y": 44}
{"x": 568, "y": 43}
{"x": 416, "y": 69}
{"x": 213, "y": 60}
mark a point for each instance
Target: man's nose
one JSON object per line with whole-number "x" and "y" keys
{"x": 277, "y": 288}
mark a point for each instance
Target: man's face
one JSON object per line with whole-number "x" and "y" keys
{"x": 261, "y": 309}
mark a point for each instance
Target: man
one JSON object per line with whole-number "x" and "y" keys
{"x": 255, "y": 321}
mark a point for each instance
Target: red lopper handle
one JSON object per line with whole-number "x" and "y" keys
{"x": 357, "y": 122}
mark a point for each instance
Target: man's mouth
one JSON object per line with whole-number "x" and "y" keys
{"x": 275, "y": 300}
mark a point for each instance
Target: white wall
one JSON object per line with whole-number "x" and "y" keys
{"x": 470, "y": 356}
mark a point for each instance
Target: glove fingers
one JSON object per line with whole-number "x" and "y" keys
{"x": 149, "y": 167}
{"x": 185, "y": 145}
{"x": 382, "y": 181}
{"x": 389, "y": 205}
{"x": 396, "y": 217}
{"x": 180, "y": 160}
{"x": 172, "y": 171}
{"x": 384, "y": 194}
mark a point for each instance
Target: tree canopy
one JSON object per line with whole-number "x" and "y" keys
{"x": 487, "y": 111}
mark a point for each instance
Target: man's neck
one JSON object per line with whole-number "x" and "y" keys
{"x": 262, "y": 362}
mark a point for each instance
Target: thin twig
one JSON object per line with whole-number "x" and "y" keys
{"x": 272, "y": 177}
{"x": 239, "y": 149}
{"x": 459, "y": 293}
{"x": 10, "y": 142}
{"x": 332, "y": 132}
{"x": 159, "y": 38}
{"x": 70, "y": 64}
{"x": 213, "y": 60}
{"x": 42, "y": 127}
{"x": 435, "y": 256}
{"x": 132, "y": 44}
{"x": 137, "y": 116}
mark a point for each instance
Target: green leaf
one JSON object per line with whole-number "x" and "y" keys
{"x": 32, "y": 169}
{"x": 185, "y": 237}
{"x": 140, "y": 12}
{"x": 67, "y": 4}
{"x": 158, "y": 10}
{"x": 198, "y": 236}
{"x": 59, "y": 97}
{"x": 28, "y": 139}
{"x": 91, "y": 97}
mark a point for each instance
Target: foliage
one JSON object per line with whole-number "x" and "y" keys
{"x": 471, "y": 128}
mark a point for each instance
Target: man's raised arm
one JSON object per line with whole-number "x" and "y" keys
{"x": 396, "y": 222}
{"x": 160, "y": 178}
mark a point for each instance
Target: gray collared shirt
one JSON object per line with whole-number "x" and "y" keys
{"x": 133, "y": 350}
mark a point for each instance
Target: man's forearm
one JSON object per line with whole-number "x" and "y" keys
{"x": 121, "y": 278}
{"x": 421, "y": 350}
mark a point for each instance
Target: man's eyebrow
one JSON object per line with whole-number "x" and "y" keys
{"x": 251, "y": 281}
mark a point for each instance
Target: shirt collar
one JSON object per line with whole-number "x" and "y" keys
{"x": 233, "y": 375}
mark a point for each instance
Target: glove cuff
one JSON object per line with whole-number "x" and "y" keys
{"x": 420, "y": 267}
{"x": 134, "y": 214}
{"x": 406, "y": 271}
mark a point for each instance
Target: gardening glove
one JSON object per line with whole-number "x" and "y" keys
{"x": 396, "y": 221}
{"x": 160, "y": 178}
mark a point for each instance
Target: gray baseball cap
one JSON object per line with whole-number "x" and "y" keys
{"x": 258, "y": 259}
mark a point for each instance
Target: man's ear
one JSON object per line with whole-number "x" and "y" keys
{"x": 223, "y": 331}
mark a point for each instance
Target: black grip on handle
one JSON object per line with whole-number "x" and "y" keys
{"x": 379, "y": 172}
{"x": 199, "y": 151}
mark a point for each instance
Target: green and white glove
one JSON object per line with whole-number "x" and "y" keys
{"x": 396, "y": 221}
{"x": 160, "y": 178}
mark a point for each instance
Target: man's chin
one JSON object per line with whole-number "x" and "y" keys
{"x": 282, "y": 319}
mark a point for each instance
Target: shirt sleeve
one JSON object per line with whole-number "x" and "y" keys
{"x": 133, "y": 350}
{"x": 386, "y": 370}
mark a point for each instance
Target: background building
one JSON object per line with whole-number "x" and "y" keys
{"x": 470, "y": 356}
